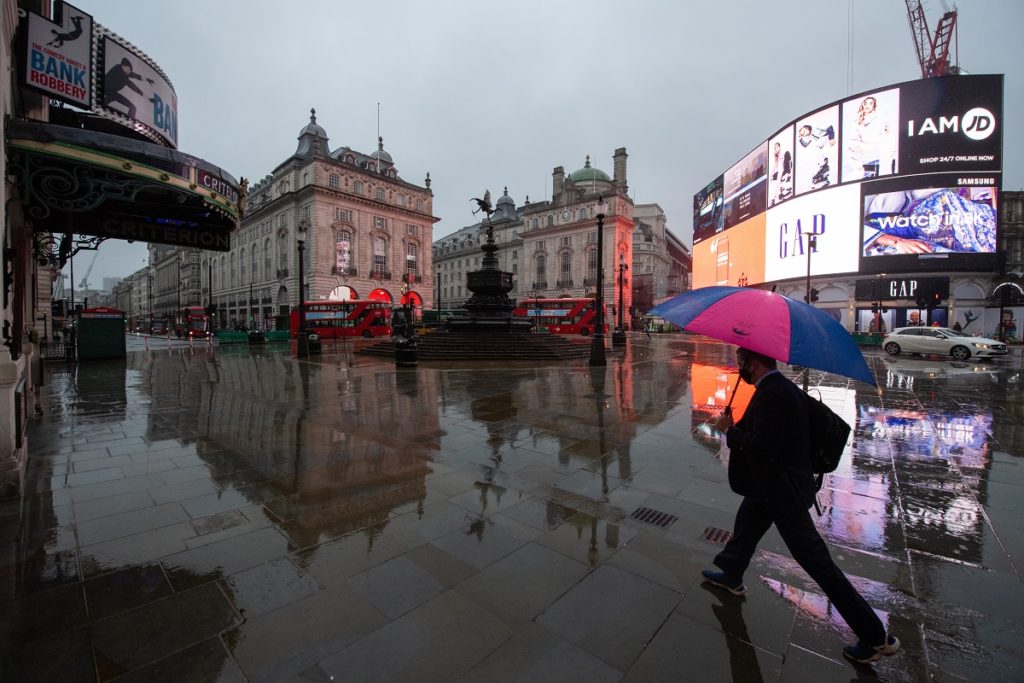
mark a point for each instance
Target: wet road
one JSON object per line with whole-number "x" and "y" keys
{"x": 233, "y": 514}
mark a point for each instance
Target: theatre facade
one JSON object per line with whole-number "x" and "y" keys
{"x": 90, "y": 154}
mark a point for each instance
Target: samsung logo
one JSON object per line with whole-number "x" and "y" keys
{"x": 976, "y": 124}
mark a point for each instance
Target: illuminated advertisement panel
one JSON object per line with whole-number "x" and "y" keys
{"x": 937, "y": 222}
{"x": 817, "y": 150}
{"x": 909, "y": 134}
{"x": 745, "y": 188}
{"x": 833, "y": 215}
{"x": 734, "y": 257}
{"x": 58, "y": 62}
{"x": 780, "y": 167}
{"x": 870, "y": 145}
{"x": 708, "y": 213}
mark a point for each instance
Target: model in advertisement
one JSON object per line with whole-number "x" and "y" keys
{"x": 117, "y": 79}
{"x": 869, "y": 137}
{"x": 780, "y": 181}
{"x": 817, "y": 154}
{"x": 929, "y": 221}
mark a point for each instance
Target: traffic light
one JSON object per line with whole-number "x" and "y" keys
{"x": 935, "y": 299}
{"x": 814, "y": 295}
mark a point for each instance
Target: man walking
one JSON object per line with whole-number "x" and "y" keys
{"x": 770, "y": 466}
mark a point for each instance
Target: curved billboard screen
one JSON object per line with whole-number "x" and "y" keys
{"x": 904, "y": 178}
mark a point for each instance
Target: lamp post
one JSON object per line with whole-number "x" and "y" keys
{"x": 211, "y": 309}
{"x": 597, "y": 355}
{"x": 812, "y": 244}
{"x": 302, "y": 343}
{"x": 619, "y": 336}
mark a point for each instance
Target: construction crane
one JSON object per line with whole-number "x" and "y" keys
{"x": 84, "y": 284}
{"x": 933, "y": 51}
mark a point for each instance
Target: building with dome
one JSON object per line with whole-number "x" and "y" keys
{"x": 550, "y": 247}
{"x": 364, "y": 231}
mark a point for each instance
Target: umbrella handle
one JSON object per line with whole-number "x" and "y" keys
{"x": 728, "y": 406}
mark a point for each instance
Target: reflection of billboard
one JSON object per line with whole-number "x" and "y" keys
{"x": 734, "y": 257}
{"x": 871, "y": 135}
{"x": 744, "y": 187}
{"x": 832, "y": 215}
{"x": 931, "y": 221}
{"x": 711, "y": 386}
{"x": 59, "y": 55}
{"x": 817, "y": 150}
{"x": 708, "y": 217}
{"x": 135, "y": 91}
{"x": 780, "y": 167}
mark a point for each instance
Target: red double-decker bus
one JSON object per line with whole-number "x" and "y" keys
{"x": 333, "y": 319}
{"x": 191, "y": 321}
{"x": 562, "y": 316}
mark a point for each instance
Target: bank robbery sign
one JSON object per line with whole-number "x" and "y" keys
{"x": 58, "y": 55}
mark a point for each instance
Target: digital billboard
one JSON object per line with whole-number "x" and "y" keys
{"x": 898, "y": 179}
{"x": 134, "y": 91}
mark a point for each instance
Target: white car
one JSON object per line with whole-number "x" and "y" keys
{"x": 941, "y": 341}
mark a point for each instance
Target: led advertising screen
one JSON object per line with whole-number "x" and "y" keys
{"x": 897, "y": 179}
{"x": 734, "y": 257}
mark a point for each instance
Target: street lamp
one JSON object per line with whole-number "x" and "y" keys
{"x": 302, "y": 343}
{"x": 597, "y": 356}
{"x": 619, "y": 336}
{"x": 812, "y": 245}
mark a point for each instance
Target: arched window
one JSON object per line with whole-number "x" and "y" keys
{"x": 343, "y": 252}
{"x": 380, "y": 194}
{"x": 241, "y": 267}
{"x": 267, "y": 273}
{"x": 234, "y": 272}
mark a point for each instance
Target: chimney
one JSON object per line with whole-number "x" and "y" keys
{"x": 557, "y": 182}
{"x": 620, "y": 170}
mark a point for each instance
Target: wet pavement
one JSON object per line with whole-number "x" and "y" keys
{"x": 234, "y": 514}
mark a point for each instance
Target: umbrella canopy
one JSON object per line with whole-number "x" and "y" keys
{"x": 769, "y": 323}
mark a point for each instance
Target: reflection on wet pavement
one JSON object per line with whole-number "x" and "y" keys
{"x": 202, "y": 514}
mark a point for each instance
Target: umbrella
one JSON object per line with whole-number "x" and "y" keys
{"x": 769, "y": 323}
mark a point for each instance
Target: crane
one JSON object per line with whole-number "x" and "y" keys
{"x": 84, "y": 284}
{"x": 933, "y": 51}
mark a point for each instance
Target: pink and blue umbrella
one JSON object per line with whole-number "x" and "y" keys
{"x": 769, "y": 323}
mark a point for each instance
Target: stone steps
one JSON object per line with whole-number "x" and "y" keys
{"x": 481, "y": 345}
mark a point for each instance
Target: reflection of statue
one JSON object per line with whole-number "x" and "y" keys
{"x": 484, "y": 204}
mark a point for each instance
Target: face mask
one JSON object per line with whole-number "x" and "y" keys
{"x": 745, "y": 373}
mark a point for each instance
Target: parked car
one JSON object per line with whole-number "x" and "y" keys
{"x": 942, "y": 341}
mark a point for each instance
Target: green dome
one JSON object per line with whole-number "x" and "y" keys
{"x": 589, "y": 174}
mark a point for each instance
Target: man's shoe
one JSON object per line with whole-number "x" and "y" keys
{"x": 865, "y": 654}
{"x": 734, "y": 586}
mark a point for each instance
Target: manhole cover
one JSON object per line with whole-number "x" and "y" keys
{"x": 655, "y": 517}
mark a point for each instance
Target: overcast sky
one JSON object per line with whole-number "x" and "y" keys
{"x": 484, "y": 94}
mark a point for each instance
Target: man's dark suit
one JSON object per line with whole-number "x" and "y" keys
{"x": 770, "y": 466}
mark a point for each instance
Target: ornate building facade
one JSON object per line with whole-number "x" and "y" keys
{"x": 550, "y": 247}
{"x": 662, "y": 263}
{"x": 363, "y": 232}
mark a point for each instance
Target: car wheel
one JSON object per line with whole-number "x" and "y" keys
{"x": 367, "y": 334}
{"x": 892, "y": 348}
{"x": 960, "y": 353}
{"x": 584, "y": 331}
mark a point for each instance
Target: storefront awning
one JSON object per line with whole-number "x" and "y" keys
{"x": 76, "y": 181}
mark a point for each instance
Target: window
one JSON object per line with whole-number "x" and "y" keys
{"x": 411, "y": 250}
{"x": 550, "y": 221}
{"x": 282, "y": 221}
{"x": 343, "y": 251}
{"x": 333, "y": 181}
{"x": 419, "y": 204}
{"x": 541, "y": 268}
{"x": 234, "y": 278}
{"x": 342, "y": 215}
{"x": 380, "y": 256}
{"x": 379, "y": 195}
{"x": 592, "y": 265}
{"x": 565, "y": 266}
{"x": 515, "y": 268}
{"x": 515, "y": 254}
{"x": 357, "y": 187}
{"x": 534, "y": 224}
{"x": 379, "y": 222}
{"x": 267, "y": 274}
{"x": 412, "y": 230}
{"x": 305, "y": 212}
{"x": 241, "y": 266}
{"x": 567, "y": 241}
{"x": 401, "y": 200}
{"x": 282, "y": 253}
{"x": 254, "y": 258}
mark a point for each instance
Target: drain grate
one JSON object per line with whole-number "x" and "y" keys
{"x": 655, "y": 517}
{"x": 713, "y": 535}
